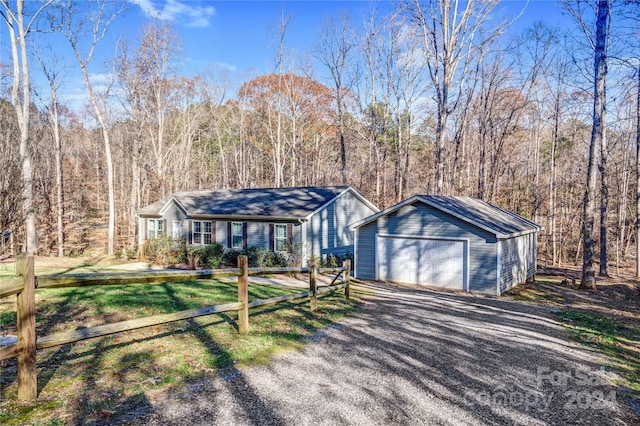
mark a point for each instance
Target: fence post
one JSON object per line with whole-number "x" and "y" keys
{"x": 313, "y": 301}
{"x": 26, "y": 322}
{"x": 346, "y": 277}
{"x": 243, "y": 294}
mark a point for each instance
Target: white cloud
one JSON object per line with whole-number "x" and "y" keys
{"x": 180, "y": 12}
{"x": 101, "y": 78}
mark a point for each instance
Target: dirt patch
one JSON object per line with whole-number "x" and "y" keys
{"x": 618, "y": 296}
{"x": 607, "y": 320}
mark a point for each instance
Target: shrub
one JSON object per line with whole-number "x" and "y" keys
{"x": 132, "y": 253}
{"x": 167, "y": 251}
{"x": 212, "y": 255}
{"x": 281, "y": 260}
{"x": 193, "y": 257}
{"x": 231, "y": 257}
{"x": 257, "y": 257}
{"x": 334, "y": 260}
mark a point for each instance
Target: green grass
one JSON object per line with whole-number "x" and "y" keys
{"x": 113, "y": 372}
{"x": 617, "y": 339}
{"x": 538, "y": 294}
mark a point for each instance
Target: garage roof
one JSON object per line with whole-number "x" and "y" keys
{"x": 498, "y": 221}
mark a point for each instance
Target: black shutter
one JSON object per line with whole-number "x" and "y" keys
{"x": 244, "y": 235}
{"x": 213, "y": 232}
{"x": 165, "y": 231}
{"x": 190, "y": 236}
{"x": 289, "y": 238}
{"x": 272, "y": 245}
{"x": 229, "y": 234}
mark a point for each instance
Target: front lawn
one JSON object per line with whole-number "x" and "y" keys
{"x": 106, "y": 376}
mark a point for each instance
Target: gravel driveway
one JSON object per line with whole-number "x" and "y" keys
{"x": 418, "y": 358}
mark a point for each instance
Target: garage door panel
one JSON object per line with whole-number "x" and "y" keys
{"x": 433, "y": 262}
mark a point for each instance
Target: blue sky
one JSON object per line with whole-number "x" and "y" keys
{"x": 241, "y": 35}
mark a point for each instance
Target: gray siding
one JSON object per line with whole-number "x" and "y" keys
{"x": 172, "y": 214}
{"x": 257, "y": 232}
{"x": 421, "y": 220}
{"x": 517, "y": 260}
{"x": 329, "y": 230}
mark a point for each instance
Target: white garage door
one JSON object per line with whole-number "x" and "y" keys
{"x": 438, "y": 263}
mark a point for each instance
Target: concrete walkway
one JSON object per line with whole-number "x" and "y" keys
{"x": 415, "y": 357}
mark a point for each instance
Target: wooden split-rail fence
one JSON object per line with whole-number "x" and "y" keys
{"x": 26, "y": 282}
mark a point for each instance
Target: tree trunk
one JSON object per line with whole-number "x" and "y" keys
{"x": 108, "y": 157}
{"x": 59, "y": 179}
{"x": 21, "y": 102}
{"x": 597, "y": 135}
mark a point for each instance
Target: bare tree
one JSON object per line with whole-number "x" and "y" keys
{"x": 450, "y": 34}
{"x": 599, "y": 43}
{"x": 53, "y": 74}
{"x": 19, "y": 26}
{"x": 91, "y": 25}
{"x": 335, "y": 53}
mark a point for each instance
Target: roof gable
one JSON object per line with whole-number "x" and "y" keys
{"x": 285, "y": 203}
{"x": 500, "y": 222}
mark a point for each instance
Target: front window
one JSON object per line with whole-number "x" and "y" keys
{"x": 202, "y": 232}
{"x": 155, "y": 228}
{"x": 236, "y": 235}
{"x": 280, "y": 238}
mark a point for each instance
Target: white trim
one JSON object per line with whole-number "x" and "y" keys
{"x": 355, "y": 253}
{"x": 164, "y": 208}
{"x": 275, "y": 237}
{"x": 375, "y": 257}
{"x": 334, "y": 199}
{"x": 178, "y": 228}
{"x": 202, "y": 233}
{"x": 498, "y": 261}
{"x": 303, "y": 242}
{"x": 241, "y": 235}
{"x": 465, "y": 247}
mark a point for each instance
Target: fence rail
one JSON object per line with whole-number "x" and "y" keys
{"x": 25, "y": 284}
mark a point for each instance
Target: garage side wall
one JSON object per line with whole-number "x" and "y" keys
{"x": 420, "y": 220}
{"x": 517, "y": 260}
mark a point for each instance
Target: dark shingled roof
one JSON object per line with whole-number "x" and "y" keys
{"x": 293, "y": 203}
{"x": 501, "y": 222}
{"x": 480, "y": 213}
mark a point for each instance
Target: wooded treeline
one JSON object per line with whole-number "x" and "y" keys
{"x": 423, "y": 100}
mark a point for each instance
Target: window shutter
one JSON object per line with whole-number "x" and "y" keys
{"x": 244, "y": 235}
{"x": 229, "y": 234}
{"x": 164, "y": 229}
{"x": 213, "y": 232}
{"x": 190, "y": 236}
{"x": 271, "y": 237}
{"x": 289, "y": 237}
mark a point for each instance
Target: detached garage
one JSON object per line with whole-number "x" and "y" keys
{"x": 459, "y": 243}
